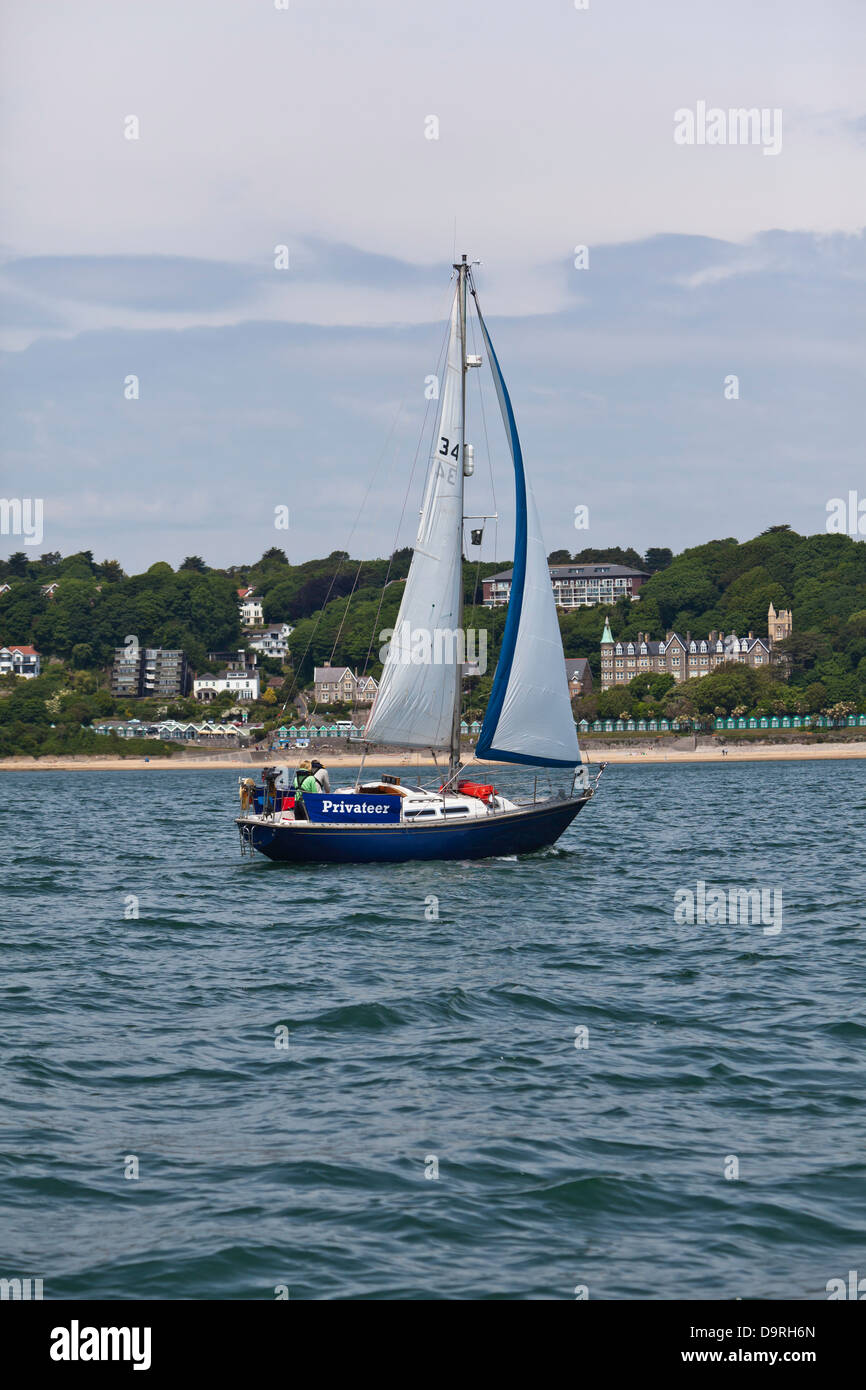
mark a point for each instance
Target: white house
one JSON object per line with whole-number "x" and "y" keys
{"x": 244, "y": 685}
{"x": 20, "y": 661}
{"x": 250, "y": 607}
{"x": 272, "y": 640}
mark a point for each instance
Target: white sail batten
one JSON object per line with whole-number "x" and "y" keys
{"x": 529, "y": 717}
{"x": 414, "y": 706}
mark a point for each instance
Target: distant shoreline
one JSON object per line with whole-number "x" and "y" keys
{"x": 771, "y": 752}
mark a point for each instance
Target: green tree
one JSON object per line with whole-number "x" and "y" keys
{"x": 657, "y": 558}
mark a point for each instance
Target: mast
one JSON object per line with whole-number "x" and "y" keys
{"x": 462, "y": 269}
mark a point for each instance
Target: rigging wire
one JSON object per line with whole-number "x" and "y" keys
{"x": 490, "y": 468}
{"x": 293, "y": 689}
{"x": 336, "y": 574}
{"x": 474, "y": 294}
{"x": 409, "y": 486}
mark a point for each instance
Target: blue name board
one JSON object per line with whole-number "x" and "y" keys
{"x": 351, "y": 808}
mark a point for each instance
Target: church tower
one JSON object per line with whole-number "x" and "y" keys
{"x": 779, "y": 625}
{"x": 606, "y": 656}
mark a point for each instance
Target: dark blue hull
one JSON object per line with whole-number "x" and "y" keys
{"x": 512, "y": 832}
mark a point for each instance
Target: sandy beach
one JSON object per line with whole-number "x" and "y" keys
{"x": 770, "y": 752}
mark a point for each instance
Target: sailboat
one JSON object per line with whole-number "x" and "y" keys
{"x": 528, "y": 722}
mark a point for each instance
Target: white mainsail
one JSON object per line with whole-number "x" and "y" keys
{"x": 414, "y": 707}
{"x": 529, "y": 717}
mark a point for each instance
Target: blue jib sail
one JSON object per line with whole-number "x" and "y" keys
{"x": 529, "y": 718}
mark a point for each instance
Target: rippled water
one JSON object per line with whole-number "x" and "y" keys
{"x": 412, "y": 1039}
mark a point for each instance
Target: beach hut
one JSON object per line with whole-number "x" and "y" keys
{"x": 862, "y": 721}
{"x": 641, "y": 726}
{"x": 620, "y": 727}
{"x": 631, "y": 726}
{"x": 852, "y": 720}
{"x": 596, "y": 727}
{"x": 764, "y": 722}
{"x": 720, "y": 723}
{"x": 821, "y": 721}
{"x": 475, "y": 728}
{"x": 584, "y": 726}
{"x": 653, "y": 726}
{"x": 786, "y": 722}
{"x": 731, "y": 723}
{"x": 664, "y": 726}
{"x": 753, "y": 723}
{"x": 608, "y": 726}
{"x": 774, "y": 722}
{"x": 741, "y": 722}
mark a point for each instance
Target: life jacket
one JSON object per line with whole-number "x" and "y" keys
{"x": 310, "y": 784}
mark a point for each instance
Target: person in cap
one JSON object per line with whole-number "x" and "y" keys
{"x": 323, "y": 781}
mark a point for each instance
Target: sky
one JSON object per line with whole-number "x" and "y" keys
{"x": 374, "y": 141}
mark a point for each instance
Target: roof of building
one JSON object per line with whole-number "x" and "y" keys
{"x": 586, "y": 571}
{"x": 576, "y": 666}
{"x": 25, "y": 651}
{"x": 247, "y": 674}
{"x": 325, "y": 674}
{"x": 715, "y": 642}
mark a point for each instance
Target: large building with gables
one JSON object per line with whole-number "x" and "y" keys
{"x": 686, "y": 657}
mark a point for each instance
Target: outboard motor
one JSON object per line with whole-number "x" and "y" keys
{"x": 270, "y": 776}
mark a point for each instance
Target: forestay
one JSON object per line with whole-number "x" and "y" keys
{"x": 414, "y": 707}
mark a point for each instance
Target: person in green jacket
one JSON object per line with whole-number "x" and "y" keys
{"x": 305, "y": 781}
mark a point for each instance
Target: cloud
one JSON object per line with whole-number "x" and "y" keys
{"x": 618, "y": 394}
{"x": 260, "y": 126}
{"x": 307, "y": 128}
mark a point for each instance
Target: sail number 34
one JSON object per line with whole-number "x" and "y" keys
{"x": 449, "y": 473}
